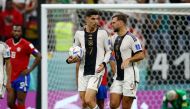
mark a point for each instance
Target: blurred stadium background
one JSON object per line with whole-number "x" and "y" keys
{"x": 164, "y": 34}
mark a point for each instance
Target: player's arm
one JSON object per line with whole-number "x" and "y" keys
{"x": 77, "y": 72}
{"x": 112, "y": 64}
{"x": 8, "y": 69}
{"x": 137, "y": 57}
{"x": 76, "y": 42}
{"x": 138, "y": 53}
{"x": 8, "y": 72}
{"x": 107, "y": 53}
{"x": 6, "y": 56}
{"x": 37, "y": 60}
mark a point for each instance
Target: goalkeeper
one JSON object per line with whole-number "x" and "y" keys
{"x": 177, "y": 99}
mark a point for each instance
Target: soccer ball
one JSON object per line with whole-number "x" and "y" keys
{"x": 76, "y": 51}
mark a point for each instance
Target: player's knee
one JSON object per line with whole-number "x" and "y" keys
{"x": 84, "y": 105}
{"x": 21, "y": 101}
{"x": 89, "y": 101}
{"x": 11, "y": 105}
{"x": 114, "y": 105}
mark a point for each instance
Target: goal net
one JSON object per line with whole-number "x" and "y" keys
{"x": 163, "y": 30}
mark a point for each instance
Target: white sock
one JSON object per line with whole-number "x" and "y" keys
{"x": 96, "y": 107}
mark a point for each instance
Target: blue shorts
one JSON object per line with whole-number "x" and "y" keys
{"x": 21, "y": 83}
{"x": 102, "y": 92}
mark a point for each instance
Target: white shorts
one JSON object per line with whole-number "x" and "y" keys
{"x": 126, "y": 88}
{"x": 89, "y": 82}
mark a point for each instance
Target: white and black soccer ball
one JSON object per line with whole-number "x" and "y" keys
{"x": 76, "y": 51}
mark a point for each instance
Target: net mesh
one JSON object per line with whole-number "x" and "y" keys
{"x": 164, "y": 36}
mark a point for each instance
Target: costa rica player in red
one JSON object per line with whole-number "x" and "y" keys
{"x": 21, "y": 50}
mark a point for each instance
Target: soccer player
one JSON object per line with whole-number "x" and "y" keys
{"x": 128, "y": 50}
{"x": 20, "y": 77}
{"x": 4, "y": 59}
{"x": 102, "y": 90}
{"x": 94, "y": 42}
{"x": 177, "y": 99}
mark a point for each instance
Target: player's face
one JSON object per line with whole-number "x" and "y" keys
{"x": 92, "y": 21}
{"x": 17, "y": 31}
{"x": 115, "y": 24}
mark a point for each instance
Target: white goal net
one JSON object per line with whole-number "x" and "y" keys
{"x": 163, "y": 29}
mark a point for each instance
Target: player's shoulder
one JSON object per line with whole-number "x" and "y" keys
{"x": 131, "y": 36}
{"x": 114, "y": 36}
{"x": 24, "y": 41}
{"x": 3, "y": 44}
{"x": 102, "y": 30}
{"x": 80, "y": 31}
{"x": 9, "y": 40}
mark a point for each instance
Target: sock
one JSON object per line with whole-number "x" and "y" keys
{"x": 20, "y": 106}
{"x": 96, "y": 107}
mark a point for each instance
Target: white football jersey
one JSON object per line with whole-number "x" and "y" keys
{"x": 96, "y": 50}
{"x": 125, "y": 47}
{"x": 4, "y": 53}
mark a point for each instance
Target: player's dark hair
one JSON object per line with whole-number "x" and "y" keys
{"x": 9, "y": 0}
{"x": 91, "y": 12}
{"x": 121, "y": 16}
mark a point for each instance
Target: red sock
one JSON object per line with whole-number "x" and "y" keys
{"x": 20, "y": 106}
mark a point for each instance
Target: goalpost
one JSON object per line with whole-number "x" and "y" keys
{"x": 162, "y": 28}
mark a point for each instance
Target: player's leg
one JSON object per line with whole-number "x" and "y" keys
{"x": 101, "y": 96}
{"x": 90, "y": 98}
{"x": 100, "y": 103}
{"x": 21, "y": 97}
{"x": 129, "y": 93}
{"x": 127, "y": 102}
{"x": 92, "y": 89}
{"x": 82, "y": 86}
{"x": 115, "y": 99}
{"x": 22, "y": 89}
{"x": 11, "y": 99}
{"x": 115, "y": 94}
{"x": 82, "y": 95}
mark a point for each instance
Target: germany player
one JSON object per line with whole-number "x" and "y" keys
{"x": 128, "y": 50}
{"x": 5, "y": 69}
{"x": 94, "y": 42}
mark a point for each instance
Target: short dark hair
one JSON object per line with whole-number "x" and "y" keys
{"x": 91, "y": 12}
{"x": 9, "y": 0}
{"x": 121, "y": 16}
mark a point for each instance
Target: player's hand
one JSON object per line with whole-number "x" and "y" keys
{"x": 125, "y": 63}
{"x": 100, "y": 68}
{"x": 25, "y": 72}
{"x": 73, "y": 59}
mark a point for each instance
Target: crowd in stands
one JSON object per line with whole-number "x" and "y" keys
{"x": 20, "y": 12}
{"x": 24, "y": 12}
{"x": 117, "y": 1}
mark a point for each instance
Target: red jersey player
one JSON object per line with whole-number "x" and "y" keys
{"x": 20, "y": 78}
